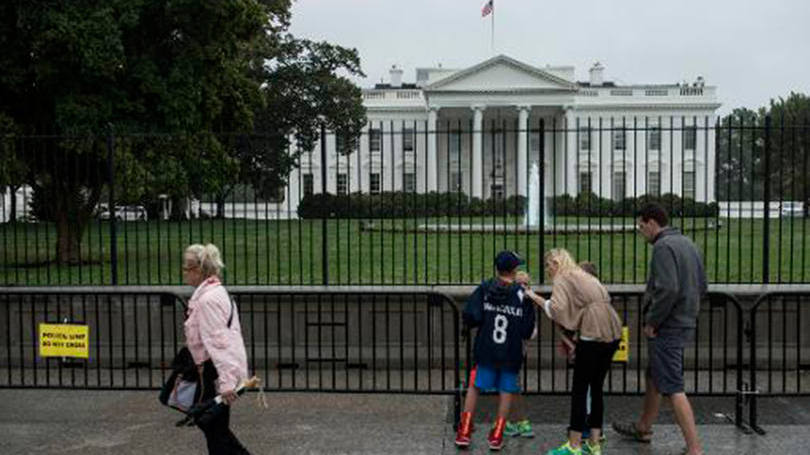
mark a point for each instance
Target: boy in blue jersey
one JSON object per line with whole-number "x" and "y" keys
{"x": 504, "y": 322}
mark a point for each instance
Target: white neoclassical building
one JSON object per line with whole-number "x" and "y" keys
{"x": 480, "y": 129}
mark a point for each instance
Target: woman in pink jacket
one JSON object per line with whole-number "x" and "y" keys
{"x": 214, "y": 337}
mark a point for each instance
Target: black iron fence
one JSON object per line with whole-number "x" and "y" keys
{"x": 393, "y": 340}
{"x": 407, "y": 202}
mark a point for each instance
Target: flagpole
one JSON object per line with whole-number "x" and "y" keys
{"x": 492, "y": 38}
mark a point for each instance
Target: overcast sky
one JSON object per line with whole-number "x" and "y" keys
{"x": 751, "y": 50}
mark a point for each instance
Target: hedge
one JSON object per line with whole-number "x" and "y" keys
{"x": 409, "y": 205}
{"x": 405, "y": 205}
{"x": 589, "y": 204}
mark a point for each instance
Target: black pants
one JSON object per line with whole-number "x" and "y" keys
{"x": 591, "y": 364}
{"x": 220, "y": 439}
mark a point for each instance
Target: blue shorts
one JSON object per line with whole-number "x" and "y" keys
{"x": 488, "y": 378}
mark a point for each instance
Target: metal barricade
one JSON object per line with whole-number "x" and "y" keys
{"x": 778, "y": 366}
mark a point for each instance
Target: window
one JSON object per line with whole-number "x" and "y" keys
{"x": 689, "y": 185}
{"x": 534, "y": 141}
{"x": 374, "y": 182}
{"x": 654, "y": 138}
{"x": 375, "y": 140}
{"x": 277, "y": 194}
{"x": 619, "y": 185}
{"x": 585, "y": 182}
{"x": 309, "y": 185}
{"x": 455, "y": 181}
{"x": 584, "y": 138}
{"x": 455, "y": 147}
{"x": 654, "y": 183}
{"x": 497, "y": 155}
{"x": 408, "y": 136}
{"x": 345, "y": 145}
{"x": 342, "y": 184}
{"x": 409, "y": 182}
{"x": 619, "y": 139}
{"x": 689, "y": 137}
{"x": 496, "y": 191}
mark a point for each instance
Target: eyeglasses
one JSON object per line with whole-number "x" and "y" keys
{"x": 188, "y": 269}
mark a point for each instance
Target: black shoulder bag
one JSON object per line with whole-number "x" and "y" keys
{"x": 184, "y": 388}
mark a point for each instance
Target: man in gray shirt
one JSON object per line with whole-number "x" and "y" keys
{"x": 675, "y": 286}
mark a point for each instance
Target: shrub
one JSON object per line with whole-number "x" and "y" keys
{"x": 589, "y": 204}
{"x": 406, "y": 205}
{"x": 399, "y": 204}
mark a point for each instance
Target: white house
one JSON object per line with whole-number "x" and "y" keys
{"x": 479, "y": 129}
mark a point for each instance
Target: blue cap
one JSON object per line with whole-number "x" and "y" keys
{"x": 506, "y": 261}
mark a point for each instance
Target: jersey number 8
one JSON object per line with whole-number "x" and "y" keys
{"x": 499, "y": 333}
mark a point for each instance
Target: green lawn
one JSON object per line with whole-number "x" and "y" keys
{"x": 290, "y": 252}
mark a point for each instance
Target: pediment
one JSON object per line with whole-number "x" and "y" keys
{"x": 501, "y": 73}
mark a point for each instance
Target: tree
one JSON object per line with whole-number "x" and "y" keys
{"x": 304, "y": 93}
{"x": 790, "y": 147}
{"x": 743, "y": 144}
{"x": 156, "y": 79}
{"x": 82, "y": 70}
{"x": 738, "y": 158}
{"x": 12, "y": 167}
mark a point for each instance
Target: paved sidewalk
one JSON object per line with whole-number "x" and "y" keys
{"x": 717, "y": 440}
{"x": 122, "y": 423}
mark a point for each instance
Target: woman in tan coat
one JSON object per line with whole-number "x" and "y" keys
{"x": 580, "y": 303}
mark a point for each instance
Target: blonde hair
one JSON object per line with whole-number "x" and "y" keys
{"x": 560, "y": 256}
{"x": 207, "y": 258}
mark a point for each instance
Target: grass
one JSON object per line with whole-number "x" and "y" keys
{"x": 290, "y": 251}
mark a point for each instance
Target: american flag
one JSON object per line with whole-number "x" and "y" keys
{"x": 488, "y": 7}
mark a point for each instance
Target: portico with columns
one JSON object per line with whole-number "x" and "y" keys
{"x": 498, "y": 109}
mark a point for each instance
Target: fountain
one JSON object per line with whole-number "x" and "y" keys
{"x": 532, "y": 216}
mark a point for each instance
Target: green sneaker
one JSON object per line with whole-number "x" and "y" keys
{"x": 565, "y": 449}
{"x": 591, "y": 449}
{"x": 525, "y": 428}
{"x": 511, "y": 429}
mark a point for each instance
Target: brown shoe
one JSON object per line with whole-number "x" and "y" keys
{"x": 630, "y": 430}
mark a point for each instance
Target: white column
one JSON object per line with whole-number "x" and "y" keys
{"x": 710, "y": 160}
{"x": 477, "y": 177}
{"x": 331, "y": 161}
{"x": 433, "y": 156}
{"x": 570, "y": 124}
{"x": 354, "y": 166}
{"x": 363, "y": 156}
{"x": 523, "y": 149}
{"x": 295, "y": 187}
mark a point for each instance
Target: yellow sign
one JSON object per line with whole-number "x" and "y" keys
{"x": 623, "y": 353}
{"x": 64, "y": 340}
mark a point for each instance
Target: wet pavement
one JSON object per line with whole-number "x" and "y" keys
{"x": 118, "y": 422}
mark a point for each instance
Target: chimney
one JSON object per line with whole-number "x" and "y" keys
{"x": 396, "y": 76}
{"x": 596, "y": 74}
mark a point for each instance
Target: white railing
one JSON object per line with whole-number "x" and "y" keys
{"x": 622, "y": 92}
{"x": 409, "y": 94}
{"x": 392, "y": 95}
{"x": 375, "y": 95}
{"x": 640, "y": 91}
{"x": 691, "y": 91}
